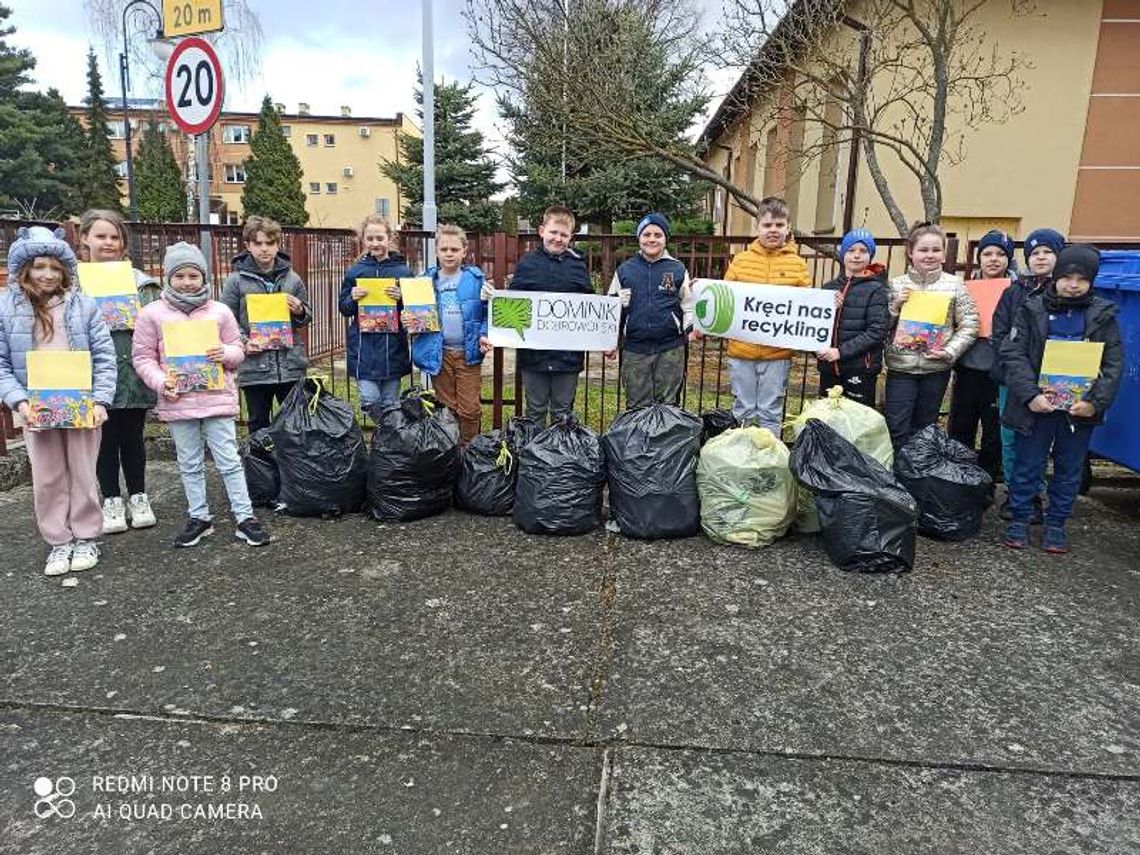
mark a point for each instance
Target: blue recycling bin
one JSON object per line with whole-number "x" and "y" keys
{"x": 1118, "y": 438}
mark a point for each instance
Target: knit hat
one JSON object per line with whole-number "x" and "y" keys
{"x": 997, "y": 238}
{"x": 34, "y": 242}
{"x": 1082, "y": 259}
{"x": 857, "y": 236}
{"x": 1044, "y": 237}
{"x": 180, "y": 255}
{"x": 654, "y": 219}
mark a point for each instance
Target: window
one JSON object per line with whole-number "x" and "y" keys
{"x": 330, "y": 188}
{"x": 235, "y": 173}
{"x": 330, "y": 140}
{"x": 235, "y": 134}
{"x": 315, "y": 187}
{"x": 382, "y": 207}
{"x": 287, "y": 131}
{"x": 116, "y": 130}
{"x": 121, "y": 169}
{"x": 311, "y": 139}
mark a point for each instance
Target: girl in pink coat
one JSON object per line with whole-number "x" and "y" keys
{"x": 197, "y": 418}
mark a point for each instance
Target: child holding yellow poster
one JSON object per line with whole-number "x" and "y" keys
{"x": 1063, "y": 361}
{"x": 186, "y": 322}
{"x": 937, "y": 322}
{"x": 56, "y": 354}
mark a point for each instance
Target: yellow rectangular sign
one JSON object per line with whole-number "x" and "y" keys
{"x": 191, "y": 17}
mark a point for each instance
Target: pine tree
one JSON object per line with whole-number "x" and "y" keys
{"x": 100, "y": 187}
{"x": 464, "y": 172}
{"x": 273, "y": 173}
{"x": 41, "y": 145}
{"x": 159, "y": 190}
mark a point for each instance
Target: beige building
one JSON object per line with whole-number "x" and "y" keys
{"x": 339, "y": 155}
{"x": 1069, "y": 160}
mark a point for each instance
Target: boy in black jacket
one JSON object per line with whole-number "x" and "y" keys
{"x": 1068, "y": 311}
{"x": 862, "y": 322}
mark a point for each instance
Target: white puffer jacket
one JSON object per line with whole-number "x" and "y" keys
{"x": 961, "y": 322}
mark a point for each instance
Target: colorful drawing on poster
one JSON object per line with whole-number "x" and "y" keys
{"x": 59, "y": 389}
{"x": 376, "y": 310}
{"x": 184, "y": 347}
{"x": 112, "y": 286}
{"x": 419, "y": 314}
{"x": 1068, "y": 370}
{"x": 270, "y": 322}
{"x": 922, "y": 321}
{"x": 986, "y": 293}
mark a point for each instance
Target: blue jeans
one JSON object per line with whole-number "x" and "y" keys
{"x": 758, "y": 390}
{"x": 190, "y": 440}
{"x": 1069, "y": 444}
{"x": 386, "y": 392}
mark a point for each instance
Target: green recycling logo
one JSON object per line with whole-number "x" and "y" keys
{"x": 716, "y": 307}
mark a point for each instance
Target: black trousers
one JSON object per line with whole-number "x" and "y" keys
{"x": 859, "y": 386}
{"x": 122, "y": 445}
{"x": 973, "y": 402}
{"x": 913, "y": 402}
{"x": 259, "y": 402}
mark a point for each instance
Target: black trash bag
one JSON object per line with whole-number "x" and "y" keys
{"x": 414, "y": 463}
{"x": 521, "y": 430}
{"x": 944, "y": 477}
{"x": 487, "y": 476}
{"x": 320, "y": 453}
{"x": 651, "y": 467}
{"x": 560, "y": 482}
{"x": 261, "y": 470}
{"x": 866, "y": 517}
{"x": 716, "y": 422}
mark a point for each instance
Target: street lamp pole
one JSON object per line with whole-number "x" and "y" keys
{"x": 124, "y": 79}
{"x": 429, "y": 208}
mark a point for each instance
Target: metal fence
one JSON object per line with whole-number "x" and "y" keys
{"x": 321, "y": 257}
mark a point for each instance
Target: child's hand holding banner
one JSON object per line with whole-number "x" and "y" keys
{"x": 376, "y": 310}
{"x": 59, "y": 389}
{"x": 112, "y": 286}
{"x": 774, "y": 315}
{"x": 541, "y": 320}
{"x": 270, "y": 323}
{"x": 184, "y": 345}
{"x": 921, "y": 321}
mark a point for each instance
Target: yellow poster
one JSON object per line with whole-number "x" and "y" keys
{"x": 376, "y": 312}
{"x": 419, "y": 314}
{"x": 59, "y": 389}
{"x": 59, "y": 369}
{"x": 190, "y": 338}
{"x": 266, "y": 307}
{"x": 927, "y": 307}
{"x": 377, "y": 292}
{"x": 417, "y": 292}
{"x": 1072, "y": 358}
{"x": 112, "y": 287}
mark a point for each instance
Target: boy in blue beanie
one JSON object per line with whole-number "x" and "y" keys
{"x": 862, "y": 322}
{"x": 657, "y": 312}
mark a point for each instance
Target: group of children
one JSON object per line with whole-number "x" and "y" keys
{"x": 43, "y": 310}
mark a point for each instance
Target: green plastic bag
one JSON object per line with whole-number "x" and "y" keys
{"x": 862, "y": 426}
{"x": 748, "y": 494}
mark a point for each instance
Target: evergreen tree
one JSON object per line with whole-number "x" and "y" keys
{"x": 41, "y": 146}
{"x": 273, "y": 173}
{"x": 100, "y": 188}
{"x": 464, "y": 172}
{"x": 159, "y": 190}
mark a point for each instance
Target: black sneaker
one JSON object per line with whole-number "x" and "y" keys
{"x": 252, "y": 532}
{"x": 194, "y": 531}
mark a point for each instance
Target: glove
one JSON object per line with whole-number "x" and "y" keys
{"x": 625, "y": 294}
{"x": 486, "y": 291}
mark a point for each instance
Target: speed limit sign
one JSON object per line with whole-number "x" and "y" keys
{"x": 194, "y": 87}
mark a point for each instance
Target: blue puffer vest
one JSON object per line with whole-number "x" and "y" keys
{"x": 374, "y": 356}
{"x": 427, "y": 349}
{"x": 654, "y": 321}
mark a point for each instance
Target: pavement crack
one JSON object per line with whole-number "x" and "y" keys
{"x": 599, "y": 670}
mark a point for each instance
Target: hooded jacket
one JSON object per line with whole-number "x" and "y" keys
{"x": 1009, "y": 304}
{"x": 268, "y": 366}
{"x": 1024, "y": 348}
{"x": 862, "y": 322}
{"x": 427, "y": 348}
{"x": 961, "y": 325}
{"x": 374, "y": 356}
{"x": 565, "y": 273}
{"x": 764, "y": 266}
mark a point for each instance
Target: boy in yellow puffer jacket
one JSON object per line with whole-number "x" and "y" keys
{"x": 759, "y": 373}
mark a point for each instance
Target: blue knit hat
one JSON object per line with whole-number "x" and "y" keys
{"x": 654, "y": 219}
{"x": 997, "y": 238}
{"x": 857, "y": 236}
{"x": 1044, "y": 237}
{"x": 35, "y": 242}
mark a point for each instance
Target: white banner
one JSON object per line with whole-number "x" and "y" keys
{"x": 775, "y": 315}
{"x": 546, "y": 320}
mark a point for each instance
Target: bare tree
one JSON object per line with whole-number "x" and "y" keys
{"x": 908, "y": 79}
{"x": 239, "y": 44}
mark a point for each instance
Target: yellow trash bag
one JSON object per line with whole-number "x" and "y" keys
{"x": 747, "y": 492}
{"x": 862, "y": 426}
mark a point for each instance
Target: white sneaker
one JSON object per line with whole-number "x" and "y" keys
{"x": 59, "y": 560}
{"x": 114, "y": 516}
{"x": 84, "y": 555}
{"x": 141, "y": 514}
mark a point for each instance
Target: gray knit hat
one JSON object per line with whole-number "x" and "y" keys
{"x": 182, "y": 254}
{"x": 33, "y": 242}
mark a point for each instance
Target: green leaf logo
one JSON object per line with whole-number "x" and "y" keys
{"x": 513, "y": 313}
